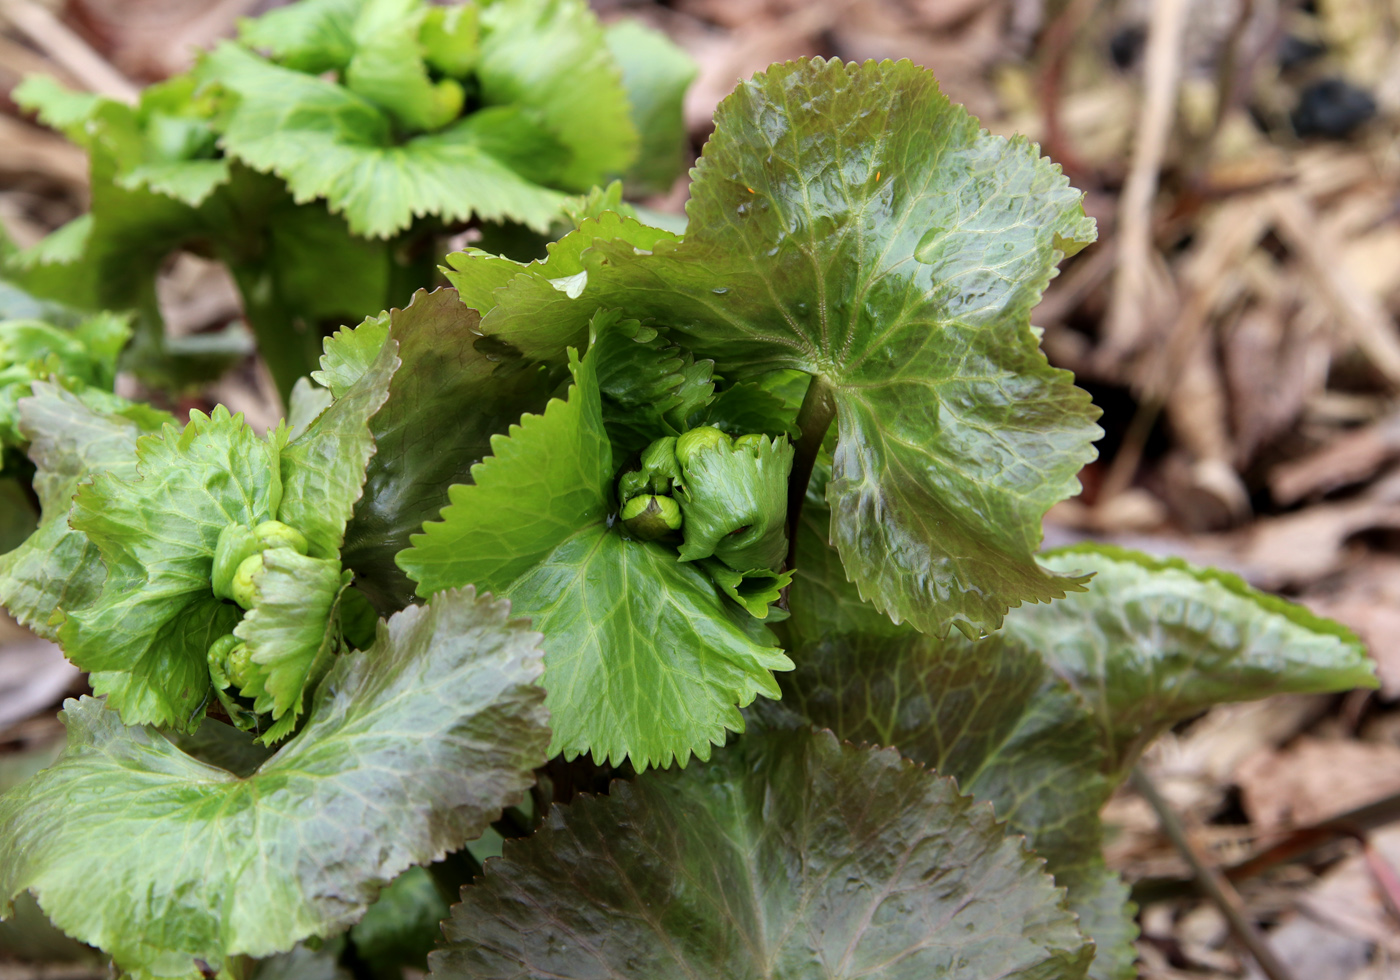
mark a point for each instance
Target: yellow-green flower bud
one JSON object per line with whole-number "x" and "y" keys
{"x": 242, "y": 589}
{"x": 275, "y": 534}
{"x": 649, "y": 516}
{"x": 236, "y": 544}
{"x": 752, "y": 439}
{"x": 692, "y": 442}
{"x": 240, "y": 665}
{"x": 218, "y": 659}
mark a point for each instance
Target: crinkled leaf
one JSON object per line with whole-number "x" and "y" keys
{"x": 790, "y": 856}
{"x": 656, "y": 74}
{"x": 848, "y": 221}
{"x": 411, "y": 749}
{"x": 313, "y": 36}
{"x": 550, "y": 56}
{"x": 58, "y": 567}
{"x": 147, "y": 636}
{"x": 291, "y": 632}
{"x": 735, "y": 504}
{"x": 323, "y": 469}
{"x": 643, "y": 660}
{"x": 1155, "y": 641}
{"x": 325, "y": 141}
{"x": 446, "y": 401}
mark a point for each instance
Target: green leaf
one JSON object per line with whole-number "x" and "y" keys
{"x": 656, "y": 74}
{"x": 991, "y": 715}
{"x": 849, "y": 222}
{"x": 1155, "y": 641}
{"x": 545, "y": 481}
{"x": 388, "y": 67}
{"x": 748, "y": 407}
{"x": 446, "y": 401}
{"x": 486, "y": 280}
{"x": 822, "y": 601}
{"x": 646, "y": 383}
{"x": 755, "y": 590}
{"x": 323, "y": 469}
{"x": 790, "y": 856}
{"x": 735, "y": 504}
{"x": 57, "y": 566}
{"x": 411, "y": 749}
{"x": 550, "y": 56}
{"x": 327, "y": 142}
{"x": 1152, "y": 642}
{"x": 146, "y": 637}
{"x": 643, "y": 660}
{"x": 291, "y": 632}
{"x": 312, "y": 36}
{"x": 56, "y": 105}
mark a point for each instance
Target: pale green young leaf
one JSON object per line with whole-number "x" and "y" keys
{"x": 147, "y": 636}
{"x": 545, "y": 480}
{"x": 323, "y": 468}
{"x": 550, "y": 56}
{"x": 291, "y": 632}
{"x": 644, "y": 660}
{"x": 388, "y": 67}
{"x": 57, "y": 106}
{"x": 327, "y": 142}
{"x": 849, "y": 222}
{"x": 411, "y": 749}
{"x": 486, "y": 280}
{"x": 790, "y": 856}
{"x": 312, "y": 36}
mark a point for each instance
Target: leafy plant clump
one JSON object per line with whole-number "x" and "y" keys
{"x": 730, "y": 491}
{"x": 321, "y": 155}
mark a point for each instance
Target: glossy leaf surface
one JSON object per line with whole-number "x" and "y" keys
{"x": 789, "y": 856}
{"x": 643, "y": 659}
{"x": 849, "y": 222}
{"x": 412, "y": 748}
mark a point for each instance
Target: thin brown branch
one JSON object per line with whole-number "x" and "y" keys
{"x": 1211, "y": 882}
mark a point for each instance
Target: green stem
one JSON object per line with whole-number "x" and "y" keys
{"x": 289, "y": 348}
{"x": 813, "y": 419}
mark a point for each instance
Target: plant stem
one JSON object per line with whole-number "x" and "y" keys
{"x": 813, "y": 419}
{"x": 1210, "y": 881}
